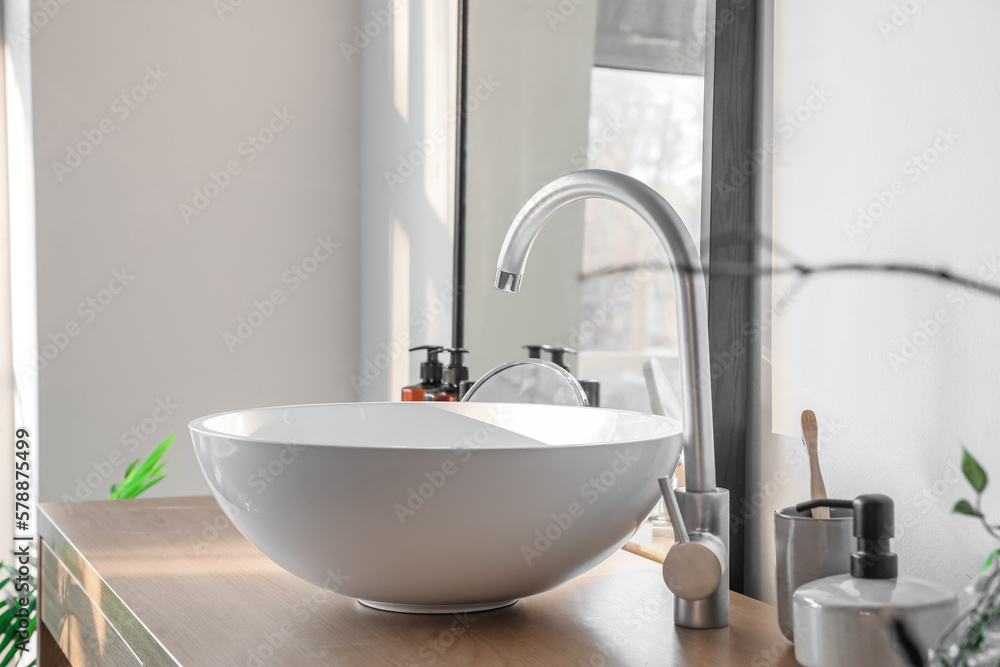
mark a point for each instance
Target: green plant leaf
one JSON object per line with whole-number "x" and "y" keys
{"x": 9, "y": 623}
{"x": 973, "y": 471}
{"x": 141, "y": 475}
{"x": 9, "y": 641}
{"x": 10, "y": 656}
{"x": 154, "y": 457}
{"x": 964, "y": 507}
{"x": 116, "y": 489}
{"x": 131, "y": 467}
{"x": 9, "y": 627}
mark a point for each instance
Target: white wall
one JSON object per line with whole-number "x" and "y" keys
{"x": 523, "y": 133}
{"x": 161, "y": 339}
{"x": 891, "y": 424}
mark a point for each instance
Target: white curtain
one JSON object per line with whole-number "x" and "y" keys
{"x": 18, "y": 325}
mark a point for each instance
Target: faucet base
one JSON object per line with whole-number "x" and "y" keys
{"x": 709, "y": 513}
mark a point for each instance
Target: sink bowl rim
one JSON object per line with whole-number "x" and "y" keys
{"x": 198, "y": 425}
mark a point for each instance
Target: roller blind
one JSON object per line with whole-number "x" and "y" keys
{"x": 652, "y": 35}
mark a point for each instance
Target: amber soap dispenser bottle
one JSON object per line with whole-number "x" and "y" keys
{"x": 430, "y": 374}
{"x": 455, "y": 373}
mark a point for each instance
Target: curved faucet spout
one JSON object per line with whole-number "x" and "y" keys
{"x": 692, "y": 309}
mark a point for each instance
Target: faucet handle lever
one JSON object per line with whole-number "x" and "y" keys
{"x": 695, "y": 566}
{"x": 673, "y": 511}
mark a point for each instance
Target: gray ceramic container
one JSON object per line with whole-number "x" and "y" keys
{"x": 808, "y": 549}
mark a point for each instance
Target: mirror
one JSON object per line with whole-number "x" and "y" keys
{"x": 558, "y": 87}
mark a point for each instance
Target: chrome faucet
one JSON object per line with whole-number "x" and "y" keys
{"x": 696, "y": 569}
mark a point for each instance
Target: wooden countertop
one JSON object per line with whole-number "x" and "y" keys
{"x": 170, "y": 581}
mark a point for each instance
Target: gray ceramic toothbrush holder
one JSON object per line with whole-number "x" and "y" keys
{"x": 808, "y": 549}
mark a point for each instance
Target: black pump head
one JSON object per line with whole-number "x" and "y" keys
{"x": 430, "y": 370}
{"x": 559, "y": 354}
{"x": 455, "y": 372}
{"x": 874, "y": 525}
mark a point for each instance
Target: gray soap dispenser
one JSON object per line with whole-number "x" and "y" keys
{"x": 847, "y": 620}
{"x": 591, "y": 387}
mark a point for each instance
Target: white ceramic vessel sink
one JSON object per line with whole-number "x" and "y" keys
{"x": 436, "y": 507}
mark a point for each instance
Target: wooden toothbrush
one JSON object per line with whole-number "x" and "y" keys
{"x": 810, "y": 435}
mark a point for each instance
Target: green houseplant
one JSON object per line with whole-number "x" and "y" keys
{"x": 141, "y": 475}
{"x": 973, "y": 638}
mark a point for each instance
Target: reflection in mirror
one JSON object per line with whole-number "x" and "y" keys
{"x": 615, "y": 84}
{"x": 528, "y": 381}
